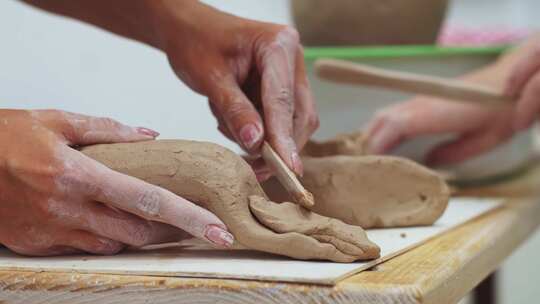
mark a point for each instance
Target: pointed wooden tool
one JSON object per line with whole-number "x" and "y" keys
{"x": 287, "y": 178}
{"x": 352, "y": 73}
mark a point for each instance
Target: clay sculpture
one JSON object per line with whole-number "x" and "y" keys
{"x": 222, "y": 182}
{"x": 368, "y": 191}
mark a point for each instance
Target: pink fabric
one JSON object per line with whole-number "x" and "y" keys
{"x": 463, "y": 36}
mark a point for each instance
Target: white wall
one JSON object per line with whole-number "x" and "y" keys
{"x": 49, "y": 62}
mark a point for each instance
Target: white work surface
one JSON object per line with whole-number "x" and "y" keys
{"x": 181, "y": 262}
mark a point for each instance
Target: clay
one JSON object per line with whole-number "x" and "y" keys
{"x": 368, "y": 22}
{"x": 343, "y": 144}
{"x": 368, "y": 191}
{"x": 222, "y": 182}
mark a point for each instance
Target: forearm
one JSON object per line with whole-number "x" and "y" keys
{"x": 134, "y": 19}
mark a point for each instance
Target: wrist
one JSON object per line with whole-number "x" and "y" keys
{"x": 171, "y": 17}
{"x": 190, "y": 21}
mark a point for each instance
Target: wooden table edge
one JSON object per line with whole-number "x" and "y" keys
{"x": 417, "y": 276}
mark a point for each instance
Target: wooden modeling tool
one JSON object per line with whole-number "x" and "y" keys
{"x": 287, "y": 178}
{"x": 352, "y": 73}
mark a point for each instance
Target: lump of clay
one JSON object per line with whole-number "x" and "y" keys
{"x": 342, "y": 144}
{"x": 222, "y": 182}
{"x": 369, "y": 191}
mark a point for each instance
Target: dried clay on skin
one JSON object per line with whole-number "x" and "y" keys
{"x": 222, "y": 182}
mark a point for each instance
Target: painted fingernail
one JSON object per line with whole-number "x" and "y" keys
{"x": 250, "y": 135}
{"x": 218, "y": 236}
{"x": 297, "y": 164}
{"x": 147, "y": 132}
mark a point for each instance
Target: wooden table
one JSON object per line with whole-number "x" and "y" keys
{"x": 441, "y": 271}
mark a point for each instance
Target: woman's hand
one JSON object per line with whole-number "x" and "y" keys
{"x": 54, "y": 200}
{"x": 524, "y": 81}
{"x": 478, "y": 128}
{"x": 252, "y": 72}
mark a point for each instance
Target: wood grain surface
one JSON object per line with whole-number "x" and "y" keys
{"x": 441, "y": 271}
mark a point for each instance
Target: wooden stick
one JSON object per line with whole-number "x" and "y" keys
{"x": 353, "y": 73}
{"x": 287, "y": 178}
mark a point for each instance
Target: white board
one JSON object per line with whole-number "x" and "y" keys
{"x": 181, "y": 262}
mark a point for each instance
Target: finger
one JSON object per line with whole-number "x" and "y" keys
{"x": 222, "y": 125}
{"x": 276, "y": 63}
{"x": 523, "y": 72}
{"x": 465, "y": 147}
{"x": 115, "y": 224}
{"x": 306, "y": 119}
{"x": 528, "y": 106}
{"x": 89, "y": 242}
{"x": 392, "y": 126}
{"x": 238, "y": 114}
{"x": 135, "y": 196}
{"x": 87, "y": 130}
{"x": 52, "y": 251}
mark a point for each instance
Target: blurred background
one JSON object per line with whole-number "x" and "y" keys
{"x": 51, "y": 62}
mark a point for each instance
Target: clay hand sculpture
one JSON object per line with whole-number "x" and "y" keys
{"x": 367, "y": 191}
{"x": 222, "y": 182}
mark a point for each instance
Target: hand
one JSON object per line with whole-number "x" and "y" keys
{"x": 478, "y": 128}
{"x": 252, "y": 72}
{"x": 524, "y": 81}
{"x": 54, "y": 200}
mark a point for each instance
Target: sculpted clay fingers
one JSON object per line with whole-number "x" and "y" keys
{"x": 287, "y": 217}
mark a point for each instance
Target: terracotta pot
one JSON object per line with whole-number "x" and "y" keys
{"x": 368, "y": 22}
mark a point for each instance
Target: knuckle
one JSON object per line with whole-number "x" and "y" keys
{"x": 149, "y": 203}
{"x": 72, "y": 178}
{"x": 109, "y": 122}
{"x": 283, "y": 99}
{"x": 289, "y": 33}
{"x": 235, "y": 109}
{"x": 284, "y": 37}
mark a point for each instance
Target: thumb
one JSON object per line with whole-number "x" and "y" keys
{"x": 87, "y": 130}
{"x": 239, "y": 115}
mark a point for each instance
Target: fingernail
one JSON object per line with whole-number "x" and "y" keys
{"x": 250, "y": 135}
{"x": 218, "y": 236}
{"x": 147, "y": 132}
{"x": 297, "y": 164}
